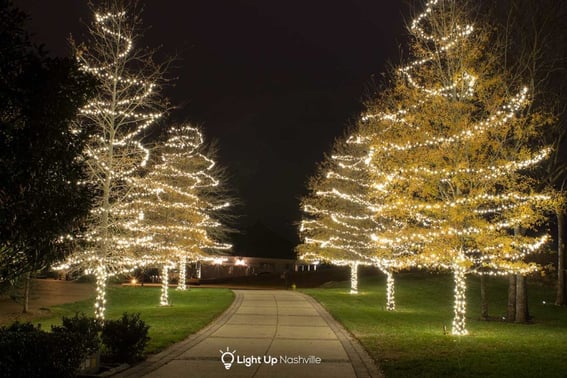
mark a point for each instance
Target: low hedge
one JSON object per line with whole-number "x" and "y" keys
{"x": 28, "y": 351}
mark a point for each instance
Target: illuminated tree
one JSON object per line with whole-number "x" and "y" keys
{"x": 340, "y": 223}
{"x": 183, "y": 205}
{"x": 457, "y": 137}
{"x": 125, "y": 106}
{"x": 335, "y": 228}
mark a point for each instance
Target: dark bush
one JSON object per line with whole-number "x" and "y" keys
{"x": 88, "y": 328}
{"x": 125, "y": 338}
{"x": 19, "y": 345}
{"x": 66, "y": 353}
{"x": 27, "y": 351}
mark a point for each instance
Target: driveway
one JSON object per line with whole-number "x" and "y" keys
{"x": 265, "y": 333}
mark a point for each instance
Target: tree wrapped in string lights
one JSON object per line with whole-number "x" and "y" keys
{"x": 183, "y": 203}
{"x": 125, "y": 106}
{"x": 340, "y": 224}
{"x": 336, "y": 227}
{"x": 461, "y": 138}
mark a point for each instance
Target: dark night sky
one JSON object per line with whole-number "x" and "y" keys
{"x": 273, "y": 81}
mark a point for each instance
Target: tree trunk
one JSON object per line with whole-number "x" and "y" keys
{"x": 164, "y": 298}
{"x": 511, "y": 314}
{"x": 459, "y": 321}
{"x": 561, "y": 298}
{"x": 198, "y": 270}
{"x": 27, "y": 283}
{"x": 390, "y": 299}
{"x": 483, "y": 298}
{"x": 354, "y": 278}
{"x": 100, "y": 300}
{"x": 522, "y": 313}
{"x": 182, "y": 273}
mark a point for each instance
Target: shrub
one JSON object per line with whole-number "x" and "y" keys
{"x": 65, "y": 354}
{"x": 27, "y": 351}
{"x": 125, "y": 338}
{"x": 87, "y": 327}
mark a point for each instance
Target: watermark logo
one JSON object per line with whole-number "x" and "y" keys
{"x": 227, "y": 357}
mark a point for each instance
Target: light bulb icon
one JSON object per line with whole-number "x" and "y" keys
{"x": 227, "y": 357}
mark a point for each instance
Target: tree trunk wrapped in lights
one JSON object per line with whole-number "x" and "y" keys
{"x": 390, "y": 291}
{"x": 182, "y": 282}
{"x": 164, "y": 297}
{"x": 125, "y": 106}
{"x": 354, "y": 277}
{"x": 459, "y": 273}
{"x": 183, "y": 202}
{"x": 450, "y": 144}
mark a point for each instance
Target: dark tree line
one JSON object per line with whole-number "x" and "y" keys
{"x": 42, "y": 201}
{"x": 535, "y": 34}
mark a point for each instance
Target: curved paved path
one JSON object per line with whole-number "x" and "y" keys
{"x": 290, "y": 329}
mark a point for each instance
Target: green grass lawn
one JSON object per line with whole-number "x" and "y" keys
{"x": 409, "y": 342}
{"x": 190, "y": 311}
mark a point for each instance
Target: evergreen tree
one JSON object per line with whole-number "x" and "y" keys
{"x": 182, "y": 205}
{"x": 341, "y": 223}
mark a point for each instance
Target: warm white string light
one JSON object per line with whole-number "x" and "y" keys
{"x": 182, "y": 283}
{"x": 390, "y": 290}
{"x": 164, "y": 297}
{"x": 354, "y": 278}
{"x": 459, "y": 272}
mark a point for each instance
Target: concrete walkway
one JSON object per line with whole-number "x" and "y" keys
{"x": 270, "y": 333}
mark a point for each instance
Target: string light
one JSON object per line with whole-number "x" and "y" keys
{"x": 354, "y": 278}
{"x": 164, "y": 297}
{"x": 459, "y": 272}
{"x": 390, "y": 291}
{"x": 182, "y": 285}
{"x": 100, "y": 300}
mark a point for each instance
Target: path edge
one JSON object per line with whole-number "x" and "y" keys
{"x": 362, "y": 363}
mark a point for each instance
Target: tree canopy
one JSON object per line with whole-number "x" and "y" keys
{"x": 43, "y": 203}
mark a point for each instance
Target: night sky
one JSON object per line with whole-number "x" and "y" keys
{"x": 274, "y": 82}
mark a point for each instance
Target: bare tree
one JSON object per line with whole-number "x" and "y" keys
{"x": 126, "y": 105}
